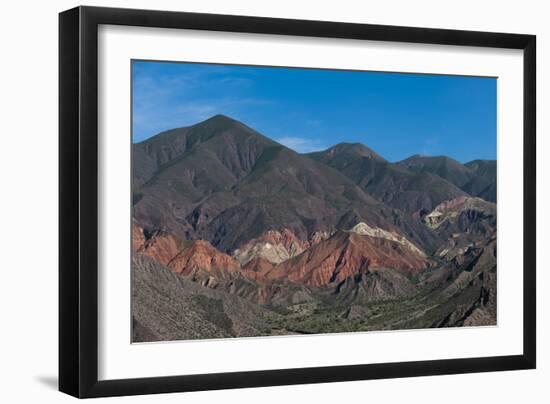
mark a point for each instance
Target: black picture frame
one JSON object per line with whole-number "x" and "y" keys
{"x": 78, "y": 201}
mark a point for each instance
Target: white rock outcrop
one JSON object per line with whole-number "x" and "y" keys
{"x": 366, "y": 230}
{"x": 273, "y": 253}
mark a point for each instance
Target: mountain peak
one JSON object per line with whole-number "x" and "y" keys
{"x": 218, "y": 121}
{"x": 220, "y": 118}
{"x": 214, "y": 123}
{"x": 353, "y": 149}
{"x": 423, "y": 158}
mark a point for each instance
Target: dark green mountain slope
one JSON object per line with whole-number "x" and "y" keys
{"x": 392, "y": 184}
{"x": 484, "y": 179}
{"x": 477, "y": 178}
{"x": 445, "y": 167}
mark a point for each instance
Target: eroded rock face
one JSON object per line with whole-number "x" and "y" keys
{"x": 196, "y": 258}
{"x": 451, "y": 210}
{"x": 366, "y": 230}
{"x": 345, "y": 255}
{"x": 276, "y": 246}
{"x": 199, "y": 254}
{"x": 257, "y": 266}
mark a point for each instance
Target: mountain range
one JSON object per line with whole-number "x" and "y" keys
{"x": 336, "y": 240}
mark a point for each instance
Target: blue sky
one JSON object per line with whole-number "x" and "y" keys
{"x": 397, "y": 115}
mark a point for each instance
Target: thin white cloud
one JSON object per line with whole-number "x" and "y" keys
{"x": 301, "y": 144}
{"x": 166, "y": 102}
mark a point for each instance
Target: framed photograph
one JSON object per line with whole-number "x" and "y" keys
{"x": 251, "y": 201}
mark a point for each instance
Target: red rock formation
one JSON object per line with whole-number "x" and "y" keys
{"x": 185, "y": 256}
{"x": 200, "y": 254}
{"x": 256, "y": 269}
{"x": 285, "y": 237}
{"x": 257, "y": 265}
{"x": 276, "y": 246}
{"x": 342, "y": 256}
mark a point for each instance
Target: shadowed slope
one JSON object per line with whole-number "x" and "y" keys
{"x": 390, "y": 183}
{"x": 484, "y": 179}
{"x": 445, "y": 167}
{"x": 477, "y": 178}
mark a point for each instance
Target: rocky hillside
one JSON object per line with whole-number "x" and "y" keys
{"x": 225, "y": 220}
{"x": 476, "y": 178}
{"x": 392, "y": 184}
